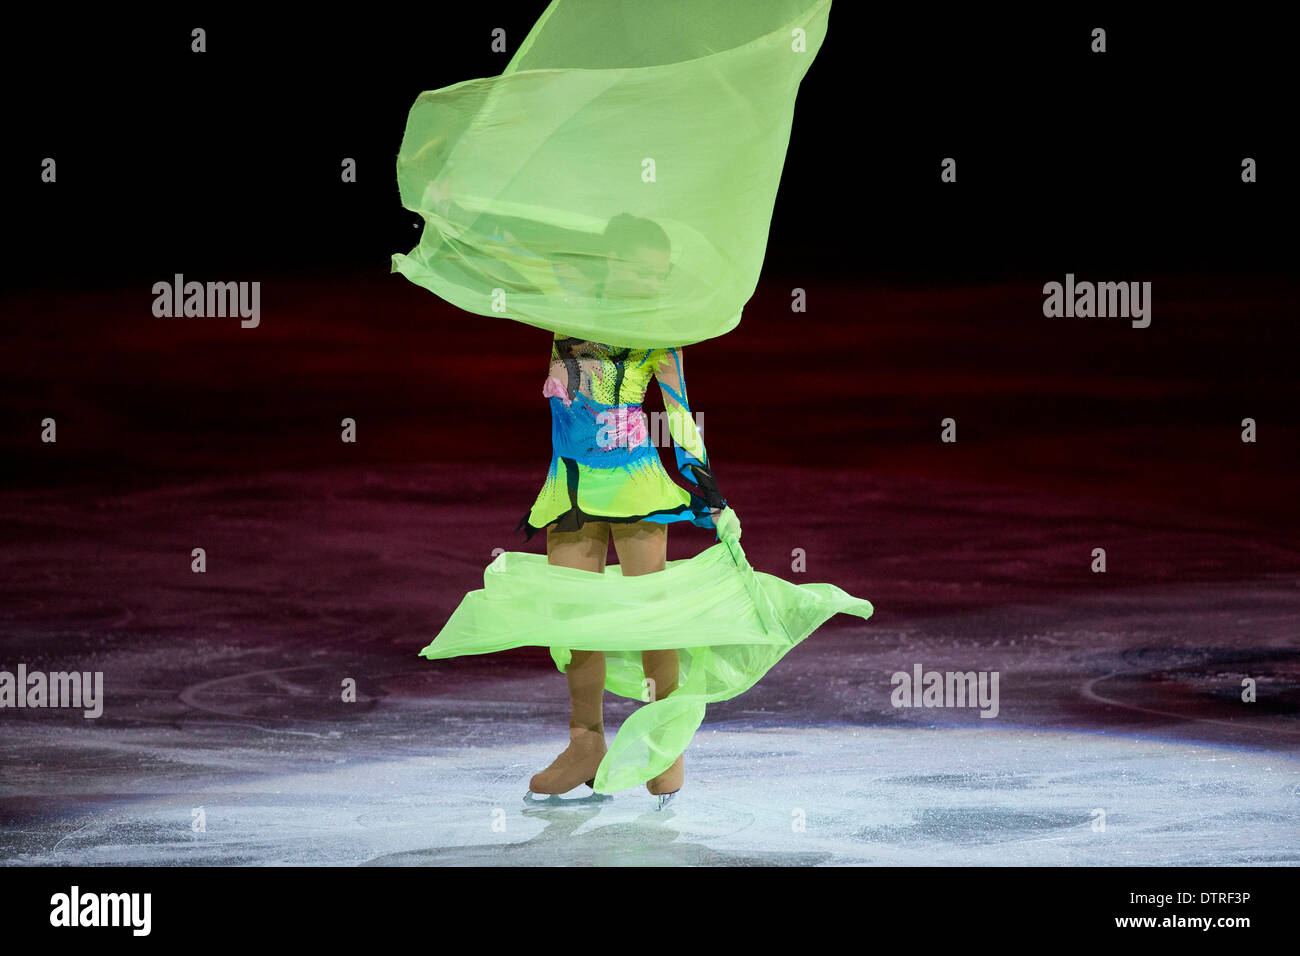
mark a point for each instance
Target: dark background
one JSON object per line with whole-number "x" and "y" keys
{"x": 229, "y": 160}
{"x": 925, "y": 298}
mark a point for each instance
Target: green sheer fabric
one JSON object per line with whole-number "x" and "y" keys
{"x": 616, "y": 182}
{"x": 729, "y": 622}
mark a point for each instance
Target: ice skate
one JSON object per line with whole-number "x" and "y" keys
{"x": 575, "y": 766}
{"x": 665, "y": 786}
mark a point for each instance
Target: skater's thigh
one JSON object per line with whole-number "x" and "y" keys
{"x": 642, "y": 546}
{"x": 584, "y": 549}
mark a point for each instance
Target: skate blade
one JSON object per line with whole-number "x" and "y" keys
{"x": 665, "y": 799}
{"x": 564, "y": 800}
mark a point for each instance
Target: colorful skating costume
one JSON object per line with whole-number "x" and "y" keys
{"x": 604, "y": 463}
{"x": 673, "y": 114}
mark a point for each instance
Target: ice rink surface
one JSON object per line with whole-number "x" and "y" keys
{"x": 1121, "y": 737}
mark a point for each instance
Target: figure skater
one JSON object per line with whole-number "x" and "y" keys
{"x": 547, "y": 161}
{"x": 606, "y": 480}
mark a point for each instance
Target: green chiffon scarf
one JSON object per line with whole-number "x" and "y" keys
{"x": 616, "y": 182}
{"x": 729, "y": 623}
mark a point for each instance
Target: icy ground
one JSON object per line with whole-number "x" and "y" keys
{"x": 1121, "y": 736}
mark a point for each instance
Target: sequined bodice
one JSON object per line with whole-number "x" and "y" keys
{"x": 609, "y": 374}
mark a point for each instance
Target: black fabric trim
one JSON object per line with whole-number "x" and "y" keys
{"x": 571, "y": 473}
{"x": 575, "y": 517}
{"x": 709, "y": 485}
{"x": 621, "y": 359}
{"x": 564, "y": 348}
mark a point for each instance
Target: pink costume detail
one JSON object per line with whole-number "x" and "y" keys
{"x": 555, "y": 388}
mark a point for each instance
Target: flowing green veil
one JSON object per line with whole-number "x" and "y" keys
{"x": 669, "y": 118}
{"x": 729, "y": 623}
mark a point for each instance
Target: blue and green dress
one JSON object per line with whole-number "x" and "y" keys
{"x": 604, "y": 463}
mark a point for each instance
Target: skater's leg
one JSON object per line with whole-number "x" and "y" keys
{"x": 661, "y": 669}
{"x": 586, "y": 674}
{"x": 642, "y": 546}
{"x": 584, "y": 549}
{"x": 643, "y": 549}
